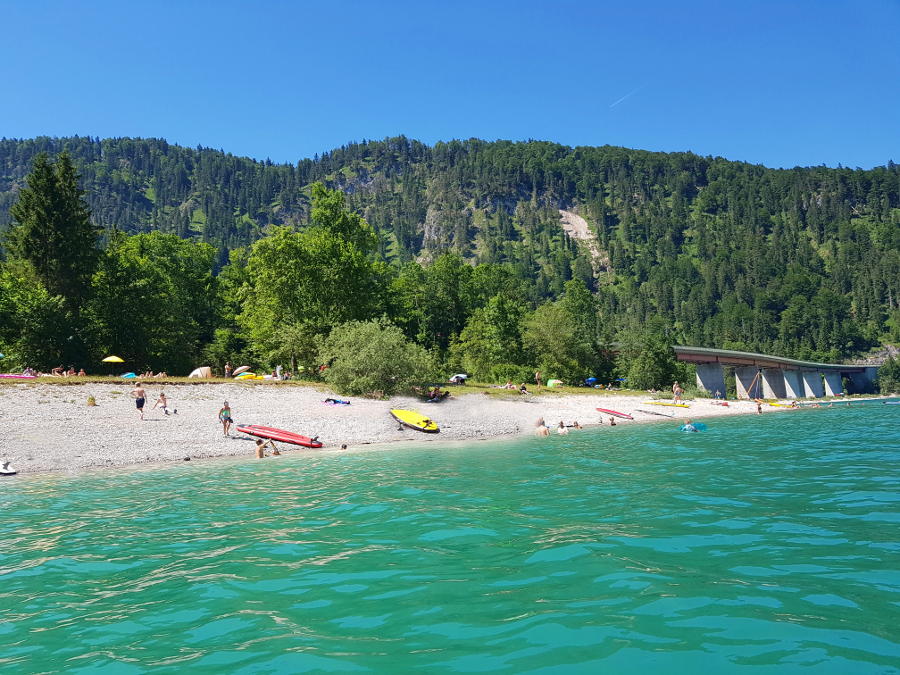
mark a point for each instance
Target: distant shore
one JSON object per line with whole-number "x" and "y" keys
{"x": 51, "y": 427}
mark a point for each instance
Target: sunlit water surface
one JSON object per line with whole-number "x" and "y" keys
{"x": 763, "y": 545}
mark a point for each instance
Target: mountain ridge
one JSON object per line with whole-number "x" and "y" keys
{"x": 731, "y": 253}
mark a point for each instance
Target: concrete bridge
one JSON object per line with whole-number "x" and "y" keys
{"x": 763, "y": 376}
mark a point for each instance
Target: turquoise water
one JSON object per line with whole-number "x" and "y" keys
{"x": 763, "y": 545}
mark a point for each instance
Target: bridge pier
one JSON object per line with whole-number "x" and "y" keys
{"x": 812, "y": 384}
{"x": 711, "y": 377}
{"x": 744, "y": 380}
{"x": 833, "y": 385}
{"x": 864, "y": 382}
{"x": 773, "y": 383}
{"x": 793, "y": 384}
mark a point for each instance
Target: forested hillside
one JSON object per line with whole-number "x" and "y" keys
{"x": 802, "y": 262}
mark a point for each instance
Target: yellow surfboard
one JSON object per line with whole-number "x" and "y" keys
{"x": 414, "y": 420}
{"x": 670, "y": 405}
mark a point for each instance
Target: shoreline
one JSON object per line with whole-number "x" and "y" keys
{"x": 53, "y": 429}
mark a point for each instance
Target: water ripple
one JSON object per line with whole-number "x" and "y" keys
{"x": 763, "y": 544}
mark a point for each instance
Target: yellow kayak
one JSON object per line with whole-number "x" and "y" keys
{"x": 414, "y": 420}
{"x": 670, "y": 405}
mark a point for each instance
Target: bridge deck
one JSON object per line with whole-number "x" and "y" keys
{"x": 732, "y": 358}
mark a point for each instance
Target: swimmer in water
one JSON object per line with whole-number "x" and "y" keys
{"x": 688, "y": 426}
{"x": 261, "y": 446}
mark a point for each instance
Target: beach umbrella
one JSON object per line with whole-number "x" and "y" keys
{"x": 591, "y": 380}
{"x": 113, "y": 359}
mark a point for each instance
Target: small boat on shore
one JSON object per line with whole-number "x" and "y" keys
{"x": 615, "y": 413}
{"x": 414, "y": 420}
{"x": 280, "y": 435}
{"x": 653, "y": 412}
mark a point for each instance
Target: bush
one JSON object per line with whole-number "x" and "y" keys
{"x": 508, "y": 371}
{"x": 365, "y": 357}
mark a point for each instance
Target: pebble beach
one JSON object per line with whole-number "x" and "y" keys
{"x": 51, "y": 428}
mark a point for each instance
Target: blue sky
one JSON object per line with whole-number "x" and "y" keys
{"x": 775, "y": 83}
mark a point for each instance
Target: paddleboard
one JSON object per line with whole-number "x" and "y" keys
{"x": 414, "y": 420}
{"x": 651, "y": 412}
{"x": 279, "y": 435}
{"x": 670, "y": 405}
{"x": 615, "y": 413}
{"x": 891, "y": 402}
{"x": 13, "y": 376}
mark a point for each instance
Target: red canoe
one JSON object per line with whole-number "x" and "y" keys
{"x": 279, "y": 435}
{"x": 624, "y": 416}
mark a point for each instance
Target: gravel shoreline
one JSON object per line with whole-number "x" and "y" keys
{"x": 51, "y": 428}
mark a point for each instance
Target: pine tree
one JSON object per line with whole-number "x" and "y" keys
{"x": 53, "y": 231}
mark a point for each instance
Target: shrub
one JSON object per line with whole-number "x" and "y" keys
{"x": 509, "y": 371}
{"x": 365, "y": 357}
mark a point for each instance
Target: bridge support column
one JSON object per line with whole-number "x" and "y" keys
{"x": 711, "y": 378}
{"x": 812, "y": 384}
{"x": 744, "y": 380}
{"x": 793, "y": 384}
{"x": 773, "y": 383}
{"x": 864, "y": 382}
{"x": 833, "y": 386}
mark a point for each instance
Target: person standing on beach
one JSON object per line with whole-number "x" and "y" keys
{"x": 225, "y": 418}
{"x": 537, "y": 378}
{"x": 677, "y": 391}
{"x": 227, "y": 369}
{"x": 140, "y": 396}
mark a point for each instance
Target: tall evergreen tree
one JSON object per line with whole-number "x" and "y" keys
{"x": 53, "y": 231}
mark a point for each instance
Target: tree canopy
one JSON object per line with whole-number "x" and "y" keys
{"x": 203, "y": 255}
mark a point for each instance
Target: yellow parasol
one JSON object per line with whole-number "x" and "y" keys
{"x": 113, "y": 359}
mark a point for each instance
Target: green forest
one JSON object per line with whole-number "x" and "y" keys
{"x": 177, "y": 257}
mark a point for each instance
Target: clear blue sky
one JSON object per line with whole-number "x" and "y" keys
{"x": 778, "y": 83}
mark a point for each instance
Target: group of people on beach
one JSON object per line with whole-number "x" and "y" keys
{"x": 139, "y": 394}
{"x": 59, "y": 371}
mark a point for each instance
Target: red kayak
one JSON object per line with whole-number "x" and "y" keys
{"x": 279, "y": 435}
{"x": 616, "y": 413}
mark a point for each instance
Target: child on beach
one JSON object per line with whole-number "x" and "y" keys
{"x": 225, "y": 418}
{"x": 163, "y": 403}
{"x": 139, "y": 396}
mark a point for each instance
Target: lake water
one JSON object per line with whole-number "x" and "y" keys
{"x": 762, "y": 545}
